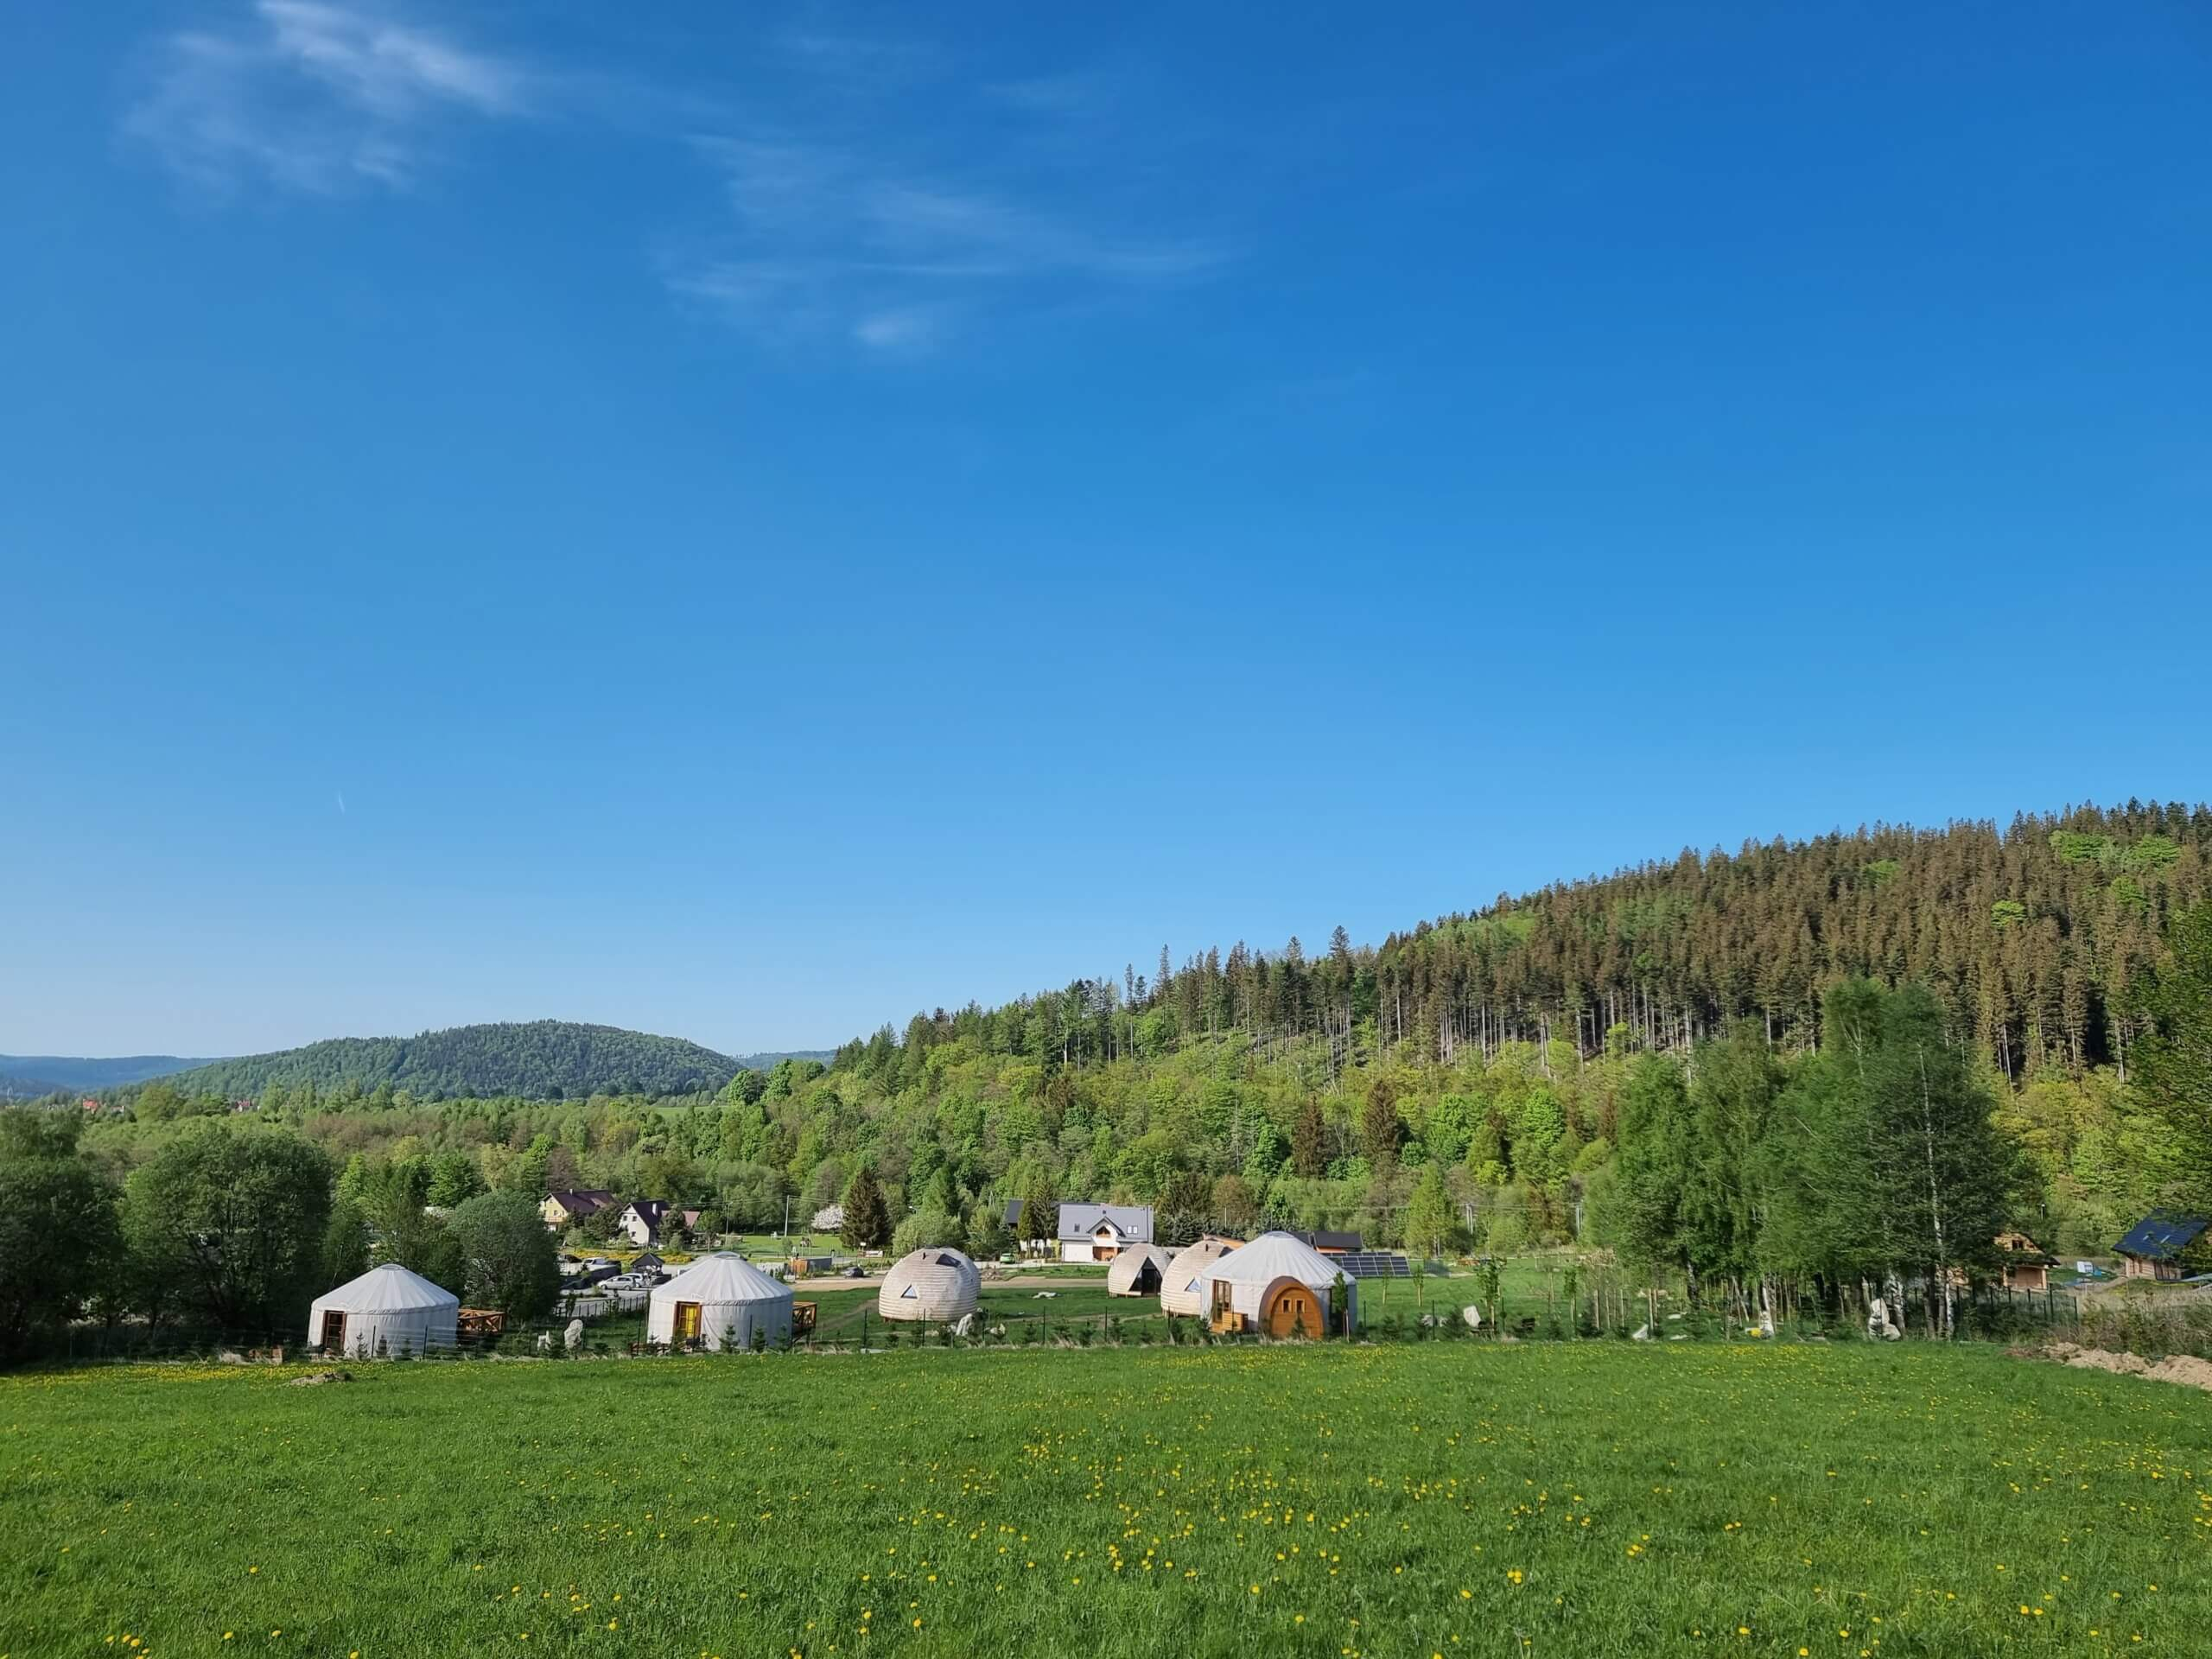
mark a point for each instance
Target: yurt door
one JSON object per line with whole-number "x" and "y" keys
{"x": 687, "y": 1321}
{"x": 334, "y": 1332}
{"x": 1295, "y": 1311}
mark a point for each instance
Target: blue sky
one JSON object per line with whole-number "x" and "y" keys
{"x": 745, "y": 522}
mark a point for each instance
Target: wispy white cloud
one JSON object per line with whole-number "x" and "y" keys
{"x": 314, "y": 95}
{"x": 871, "y": 194}
{"x": 852, "y": 215}
{"x": 902, "y": 328}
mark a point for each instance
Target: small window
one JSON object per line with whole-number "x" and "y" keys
{"x": 907, "y": 1295}
{"x": 946, "y": 1261}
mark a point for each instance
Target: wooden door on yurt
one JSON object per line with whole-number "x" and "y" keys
{"x": 687, "y": 1321}
{"x": 333, "y": 1340}
{"x": 1295, "y": 1311}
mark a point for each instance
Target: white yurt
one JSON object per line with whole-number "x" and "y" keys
{"x": 1141, "y": 1270}
{"x": 1182, "y": 1288}
{"x": 1277, "y": 1286}
{"x": 940, "y": 1283}
{"x": 387, "y": 1312}
{"x": 720, "y": 1301}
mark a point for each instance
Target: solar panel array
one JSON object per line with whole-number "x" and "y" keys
{"x": 1373, "y": 1264}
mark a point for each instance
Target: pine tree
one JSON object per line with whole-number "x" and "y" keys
{"x": 1308, "y": 1156}
{"x": 868, "y": 1220}
{"x": 1039, "y": 1220}
{"x": 1380, "y": 1126}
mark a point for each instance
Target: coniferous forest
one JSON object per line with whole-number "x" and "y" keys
{"x": 1801, "y": 1063}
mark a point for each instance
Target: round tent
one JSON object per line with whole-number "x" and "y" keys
{"x": 720, "y": 1301}
{"x": 387, "y": 1312}
{"x": 1141, "y": 1270}
{"x": 1277, "y": 1286}
{"x": 940, "y": 1283}
{"x": 1182, "y": 1288}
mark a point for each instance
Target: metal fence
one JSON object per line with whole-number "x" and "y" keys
{"x": 1984, "y": 1314}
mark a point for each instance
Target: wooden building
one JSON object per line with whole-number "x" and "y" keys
{"x": 2156, "y": 1246}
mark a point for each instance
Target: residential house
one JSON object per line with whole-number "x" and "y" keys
{"x": 1331, "y": 1243}
{"x": 1099, "y": 1232}
{"x": 2155, "y": 1245}
{"x": 562, "y": 1211}
{"x": 646, "y": 1220}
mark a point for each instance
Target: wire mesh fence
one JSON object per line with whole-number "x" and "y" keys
{"x": 1596, "y": 1310}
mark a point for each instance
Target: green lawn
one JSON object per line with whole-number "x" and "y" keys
{"x": 1572, "y": 1499}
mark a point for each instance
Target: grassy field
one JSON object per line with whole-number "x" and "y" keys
{"x": 1592, "y": 1498}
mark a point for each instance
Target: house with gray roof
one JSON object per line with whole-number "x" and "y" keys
{"x": 1099, "y": 1232}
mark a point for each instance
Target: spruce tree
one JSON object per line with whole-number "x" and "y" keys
{"x": 1038, "y": 1220}
{"x": 1308, "y": 1156}
{"x": 868, "y": 1221}
{"x": 1380, "y": 1126}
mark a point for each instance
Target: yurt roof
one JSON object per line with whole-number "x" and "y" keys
{"x": 388, "y": 1289}
{"x": 721, "y": 1277}
{"x": 1275, "y": 1255}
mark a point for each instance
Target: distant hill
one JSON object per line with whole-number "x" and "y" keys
{"x": 544, "y": 1060}
{"x": 768, "y": 1061}
{"x": 24, "y": 1076}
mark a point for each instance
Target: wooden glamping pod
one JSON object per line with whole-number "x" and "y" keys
{"x": 939, "y": 1284}
{"x": 1139, "y": 1270}
{"x": 1277, "y": 1286}
{"x": 1182, "y": 1288}
{"x": 387, "y": 1312}
{"x": 720, "y": 1301}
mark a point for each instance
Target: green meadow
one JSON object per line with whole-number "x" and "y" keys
{"x": 1395, "y": 1499}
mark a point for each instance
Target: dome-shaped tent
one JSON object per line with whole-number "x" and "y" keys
{"x": 720, "y": 1301}
{"x": 1182, "y": 1288}
{"x": 1279, "y": 1286}
{"x": 940, "y": 1283}
{"x": 387, "y": 1312}
{"x": 1139, "y": 1270}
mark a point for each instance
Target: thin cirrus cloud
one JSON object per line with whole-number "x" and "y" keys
{"x": 314, "y": 96}
{"x": 843, "y": 213}
{"x": 855, "y": 210}
{"x": 826, "y": 238}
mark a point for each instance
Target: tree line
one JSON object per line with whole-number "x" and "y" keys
{"x": 231, "y": 1228}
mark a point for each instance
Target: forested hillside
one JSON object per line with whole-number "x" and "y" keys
{"x": 544, "y": 1060}
{"x": 1788, "y": 1070}
{"x": 2029, "y": 936}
